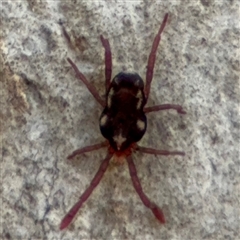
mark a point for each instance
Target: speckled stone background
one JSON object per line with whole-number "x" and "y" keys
{"x": 46, "y": 113}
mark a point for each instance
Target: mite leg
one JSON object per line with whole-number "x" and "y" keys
{"x": 137, "y": 185}
{"x": 152, "y": 57}
{"x": 108, "y": 61}
{"x": 97, "y": 178}
{"x": 66, "y": 35}
{"x": 89, "y": 86}
{"x": 158, "y": 152}
{"x": 156, "y": 108}
{"x": 88, "y": 149}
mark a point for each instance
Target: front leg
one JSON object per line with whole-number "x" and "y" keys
{"x": 152, "y": 57}
{"x": 91, "y": 88}
{"x": 108, "y": 62}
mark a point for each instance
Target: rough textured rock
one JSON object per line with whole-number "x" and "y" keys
{"x": 46, "y": 113}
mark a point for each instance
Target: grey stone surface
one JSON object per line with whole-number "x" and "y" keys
{"x": 46, "y": 113}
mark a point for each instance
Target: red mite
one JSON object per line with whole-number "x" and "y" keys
{"x": 123, "y": 123}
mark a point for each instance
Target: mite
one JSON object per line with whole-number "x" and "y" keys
{"x": 123, "y": 122}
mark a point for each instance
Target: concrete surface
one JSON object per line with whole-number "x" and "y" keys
{"x": 47, "y": 113}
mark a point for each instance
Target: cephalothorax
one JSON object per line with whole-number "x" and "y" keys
{"x": 123, "y": 122}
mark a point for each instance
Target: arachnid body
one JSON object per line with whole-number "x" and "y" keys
{"x": 123, "y": 122}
